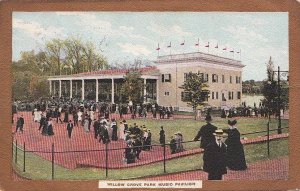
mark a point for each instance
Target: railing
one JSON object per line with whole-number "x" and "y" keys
{"x": 197, "y": 56}
{"x": 111, "y": 158}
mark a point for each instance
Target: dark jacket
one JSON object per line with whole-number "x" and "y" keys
{"x": 162, "y": 137}
{"x": 206, "y": 134}
{"x": 214, "y": 159}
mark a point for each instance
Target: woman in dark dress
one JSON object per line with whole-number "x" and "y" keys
{"x": 66, "y": 119}
{"x": 114, "y": 130}
{"x": 235, "y": 150}
{"x": 162, "y": 137}
{"x": 50, "y": 128}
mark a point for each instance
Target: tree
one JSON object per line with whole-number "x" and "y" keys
{"x": 275, "y": 93}
{"x": 133, "y": 87}
{"x": 195, "y": 91}
{"x": 269, "y": 89}
{"x": 59, "y": 56}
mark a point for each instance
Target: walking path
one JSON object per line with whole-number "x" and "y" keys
{"x": 276, "y": 169}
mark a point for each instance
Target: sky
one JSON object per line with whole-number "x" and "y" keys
{"x": 131, "y": 35}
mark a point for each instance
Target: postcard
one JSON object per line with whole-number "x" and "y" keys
{"x": 122, "y": 99}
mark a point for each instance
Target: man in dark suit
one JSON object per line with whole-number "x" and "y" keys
{"x": 137, "y": 146}
{"x": 214, "y": 157}
{"x": 70, "y": 128}
{"x": 96, "y": 128}
{"x": 21, "y": 123}
{"x": 206, "y": 133}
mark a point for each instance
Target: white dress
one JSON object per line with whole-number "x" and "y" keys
{"x": 37, "y": 116}
{"x": 79, "y": 116}
{"x": 121, "y": 132}
{"x": 86, "y": 125}
{"x": 92, "y": 115}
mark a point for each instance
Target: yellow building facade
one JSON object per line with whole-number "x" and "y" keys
{"x": 222, "y": 75}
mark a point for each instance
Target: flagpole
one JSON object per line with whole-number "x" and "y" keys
{"x": 207, "y": 47}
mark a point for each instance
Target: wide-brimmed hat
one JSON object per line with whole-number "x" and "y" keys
{"x": 219, "y": 132}
{"x": 208, "y": 118}
{"x": 178, "y": 133}
{"x": 231, "y": 123}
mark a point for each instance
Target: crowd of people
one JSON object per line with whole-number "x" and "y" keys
{"x": 244, "y": 111}
{"x": 218, "y": 154}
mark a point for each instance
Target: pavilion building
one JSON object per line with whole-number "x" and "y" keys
{"x": 223, "y": 76}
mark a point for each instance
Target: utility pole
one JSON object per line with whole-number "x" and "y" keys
{"x": 278, "y": 102}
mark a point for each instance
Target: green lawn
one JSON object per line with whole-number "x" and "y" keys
{"x": 37, "y": 168}
{"x": 189, "y": 127}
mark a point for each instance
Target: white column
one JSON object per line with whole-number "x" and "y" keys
{"x": 59, "y": 88}
{"x": 82, "y": 90}
{"x": 157, "y": 92}
{"x": 54, "y": 87}
{"x": 97, "y": 90}
{"x": 145, "y": 89}
{"x": 76, "y": 87}
{"x": 112, "y": 91}
{"x": 50, "y": 87}
{"x": 71, "y": 89}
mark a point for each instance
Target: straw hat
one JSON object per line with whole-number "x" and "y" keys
{"x": 219, "y": 132}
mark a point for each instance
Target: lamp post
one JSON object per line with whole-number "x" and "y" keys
{"x": 279, "y": 73}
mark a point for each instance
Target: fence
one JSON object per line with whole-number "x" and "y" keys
{"x": 109, "y": 162}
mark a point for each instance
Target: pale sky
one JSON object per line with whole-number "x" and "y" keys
{"x": 130, "y": 35}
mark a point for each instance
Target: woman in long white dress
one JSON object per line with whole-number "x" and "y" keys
{"x": 121, "y": 133}
{"x": 92, "y": 115}
{"x": 86, "y": 125}
{"x": 79, "y": 114}
{"x": 35, "y": 116}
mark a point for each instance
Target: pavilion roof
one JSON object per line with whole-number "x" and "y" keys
{"x": 144, "y": 71}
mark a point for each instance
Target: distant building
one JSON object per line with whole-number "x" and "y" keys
{"x": 223, "y": 76}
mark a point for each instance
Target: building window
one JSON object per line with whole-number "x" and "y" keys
{"x": 212, "y": 95}
{"x": 201, "y": 75}
{"x": 167, "y": 93}
{"x": 214, "y": 78}
{"x": 166, "y": 77}
{"x": 223, "y": 79}
{"x": 184, "y": 96}
{"x": 238, "y": 95}
{"x": 236, "y": 80}
{"x": 205, "y": 79}
{"x": 230, "y": 79}
{"x": 186, "y": 75}
{"x": 231, "y": 95}
{"x": 223, "y": 97}
{"x": 217, "y": 95}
